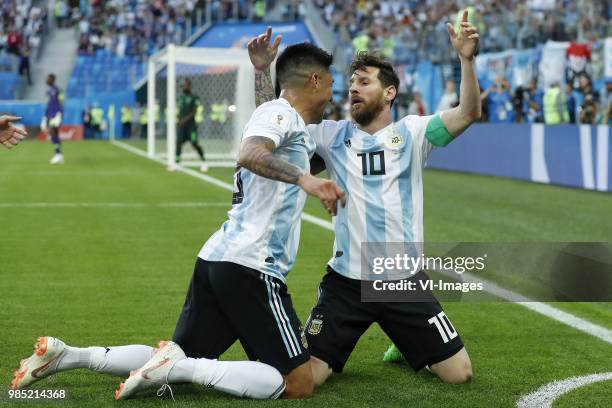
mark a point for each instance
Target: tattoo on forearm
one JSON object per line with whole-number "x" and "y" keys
{"x": 264, "y": 90}
{"x": 256, "y": 155}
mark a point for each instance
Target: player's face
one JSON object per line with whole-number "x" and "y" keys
{"x": 366, "y": 95}
{"x": 323, "y": 94}
{"x": 186, "y": 87}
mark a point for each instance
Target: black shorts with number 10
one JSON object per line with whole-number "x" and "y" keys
{"x": 420, "y": 330}
{"x": 228, "y": 302}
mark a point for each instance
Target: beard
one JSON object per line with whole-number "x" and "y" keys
{"x": 363, "y": 114}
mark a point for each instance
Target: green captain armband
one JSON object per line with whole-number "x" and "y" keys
{"x": 436, "y": 132}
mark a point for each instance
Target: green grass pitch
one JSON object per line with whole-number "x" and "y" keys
{"x": 115, "y": 275}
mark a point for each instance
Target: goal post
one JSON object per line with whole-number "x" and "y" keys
{"x": 222, "y": 79}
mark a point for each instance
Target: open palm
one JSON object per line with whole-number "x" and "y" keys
{"x": 261, "y": 52}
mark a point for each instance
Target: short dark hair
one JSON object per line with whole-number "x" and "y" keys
{"x": 386, "y": 74}
{"x": 296, "y": 61}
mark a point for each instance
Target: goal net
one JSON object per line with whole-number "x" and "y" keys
{"x": 223, "y": 81}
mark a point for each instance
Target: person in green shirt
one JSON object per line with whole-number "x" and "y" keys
{"x": 187, "y": 127}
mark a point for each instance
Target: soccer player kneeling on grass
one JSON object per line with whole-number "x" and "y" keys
{"x": 238, "y": 289}
{"x": 379, "y": 164}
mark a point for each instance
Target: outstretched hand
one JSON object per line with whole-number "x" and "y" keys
{"x": 9, "y": 134}
{"x": 261, "y": 52}
{"x": 465, "y": 42}
{"x": 326, "y": 191}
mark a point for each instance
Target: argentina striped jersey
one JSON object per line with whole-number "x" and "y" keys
{"x": 263, "y": 226}
{"x": 382, "y": 177}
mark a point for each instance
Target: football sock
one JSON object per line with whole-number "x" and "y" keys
{"x": 106, "y": 360}
{"x": 198, "y": 148}
{"x": 248, "y": 379}
{"x": 56, "y": 143}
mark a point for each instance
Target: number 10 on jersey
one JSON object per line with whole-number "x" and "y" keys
{"x": 373, "y": 163}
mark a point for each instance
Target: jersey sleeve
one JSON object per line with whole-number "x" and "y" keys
{"x": 323, "y": 135}
{"x": 427, "y": 132}
{"x": 272, "y": 121}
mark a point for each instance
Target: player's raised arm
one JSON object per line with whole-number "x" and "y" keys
{"x": 257, "y": 155}
{"x": 465, "y": 42}
{"x": 10, "y": 135}
{"x": 262, "y": 54}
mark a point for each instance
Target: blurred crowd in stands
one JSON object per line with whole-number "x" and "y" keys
{"x": 141, "y": 27}
{"x": 416, "y": 28}
{"x": 408, "y": 31}
{"x": 553, "y": 106}
{"x": 501, "y": 104}
{"x": 133, "y": 27}
{"x": 22, "y": 26}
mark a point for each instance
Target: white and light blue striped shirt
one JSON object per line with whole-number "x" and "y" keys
{"x": 263, "y": 227}
{"x": 382, "y": 177}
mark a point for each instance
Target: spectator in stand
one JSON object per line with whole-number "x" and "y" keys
{"x": 13, "y": 41}
{"x": 586, "y": 89}
{"x": 588, "y": 110}
{"x": 449, "y": 98}
{"x": 24, "y": 63}
{"x": 578, "y": 58}
{"x": 571, "y": 102}
{"x": 555, "y": 105}
{"x": 499, "y": 101}
{"x": 606, "y": 103}
{"x": 534, "y": 101}
{"x": 518, "y": 101}
{"x": 87, "y": 128}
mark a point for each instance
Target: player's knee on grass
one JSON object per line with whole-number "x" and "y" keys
{"x": 456, "y": 369}
{"x": 320, "y": 371}
{"x": 299, "y": 382}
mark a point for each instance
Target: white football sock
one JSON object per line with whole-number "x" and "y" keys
{"x": 106, "y": 360}
{"x": 249, "y": 379}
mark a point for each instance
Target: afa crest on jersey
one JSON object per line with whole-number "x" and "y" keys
{"x": 315, "y": 325}
{"x": 395, "y": 140}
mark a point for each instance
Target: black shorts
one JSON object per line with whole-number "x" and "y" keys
{"x": 228, "y": 302}
{"x": 420, "y": 330}
{"x": 187, "y": 133}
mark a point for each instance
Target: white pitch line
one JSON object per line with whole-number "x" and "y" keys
{"x": 538, "y": 307}
{"x": 193, "y": 173}
{"x": 113, "y": 205}
{"x": 545, "y": 396}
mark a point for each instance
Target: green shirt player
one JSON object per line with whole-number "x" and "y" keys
{"x": 187, "y": 128}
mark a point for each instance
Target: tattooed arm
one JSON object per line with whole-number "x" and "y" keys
{"x": 261, "y": 54}
{"x": 264, "y": 90}
{"x": 257, "y": 155}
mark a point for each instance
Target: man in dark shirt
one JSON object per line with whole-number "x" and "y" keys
{"x": 187, "y": 128}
